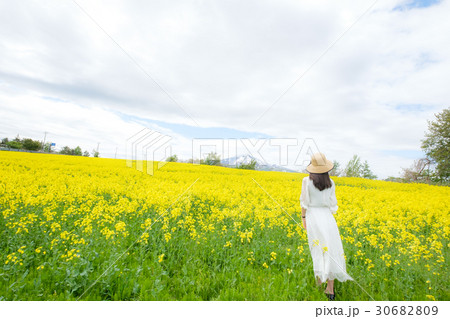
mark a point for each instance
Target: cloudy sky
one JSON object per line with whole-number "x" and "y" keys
{"x": 356, "y": 77}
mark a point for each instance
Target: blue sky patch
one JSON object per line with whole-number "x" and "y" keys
{"x": 190, "y": 131}
{"x": 411, "y": 108}
{"x": 410, "y": 154}
{"x": 416, "y": 4}
{"x": 424, "y": 59}
{"x": 54, "y": 99}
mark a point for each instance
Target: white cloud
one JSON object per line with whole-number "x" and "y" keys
{"x": 225, "y": 63}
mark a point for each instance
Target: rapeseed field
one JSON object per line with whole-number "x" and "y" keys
{"x": 76, "y": 228}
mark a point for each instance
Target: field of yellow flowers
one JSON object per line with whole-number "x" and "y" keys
{"x": 94, "y": 229}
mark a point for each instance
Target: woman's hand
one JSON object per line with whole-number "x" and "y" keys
{"x": 303, "y": 218}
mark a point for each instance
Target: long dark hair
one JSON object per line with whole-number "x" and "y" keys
{"x": 321, "y": 181}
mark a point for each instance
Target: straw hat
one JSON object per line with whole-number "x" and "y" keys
{"x": 319, "y": 164}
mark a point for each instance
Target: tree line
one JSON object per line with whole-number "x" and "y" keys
{"x": 354, "y": 168}
{"x": 29, "y": 144}
{"x": 433, "y": 168}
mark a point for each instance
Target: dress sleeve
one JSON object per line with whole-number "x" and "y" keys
{"x": 333, "y": 204}
{"x": 304, "y": 196}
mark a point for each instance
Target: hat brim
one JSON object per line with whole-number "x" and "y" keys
{"x": 320, "y": 168}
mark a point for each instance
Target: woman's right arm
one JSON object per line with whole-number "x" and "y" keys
{"x": 304, "y": 200}
{"x": 304, "y": 218}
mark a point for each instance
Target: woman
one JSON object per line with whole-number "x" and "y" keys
{"x": 319, "y": 203}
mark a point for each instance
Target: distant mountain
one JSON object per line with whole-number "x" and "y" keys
{"x": 260, "y": 165}
{"x": 242, "y": 159}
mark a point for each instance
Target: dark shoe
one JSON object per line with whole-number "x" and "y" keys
{"x": 330, "y": 296}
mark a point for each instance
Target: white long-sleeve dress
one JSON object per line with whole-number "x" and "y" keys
{"x": 323, "y": 234}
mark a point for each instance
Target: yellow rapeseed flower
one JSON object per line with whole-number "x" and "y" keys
{"x": 273, "y": 255}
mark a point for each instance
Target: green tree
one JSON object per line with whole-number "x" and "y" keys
{"x": 66, "y": 150}
{"x": 86, "y": 154}
{"x": 366, "y": 172}
{"x": 251, "y": 165}
{"x": 354, "y": 167}
{"x": 172, "y": 158}
{"x": 77, "y": 151}
{"x": 31, "y": 145}
{"x": 5, "y": 140}
{"x": 211, "y": 159}
{"x": 95, "y": 153}
{"x": 336, "y": 171}
{"x": 15, "y": 144}
{"x": 436, "y": 144}
{"x": 48, "y": 147}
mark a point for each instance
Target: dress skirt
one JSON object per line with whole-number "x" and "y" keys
{"x": 325, "y": 245}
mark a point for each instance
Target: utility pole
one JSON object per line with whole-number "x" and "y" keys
{"x": 45, "y": 136}
{"x": 115, "y": 155}
{"x": 98, "y": 145}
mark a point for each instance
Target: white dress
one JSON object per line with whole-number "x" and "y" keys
{"x": 323, "y": 234}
